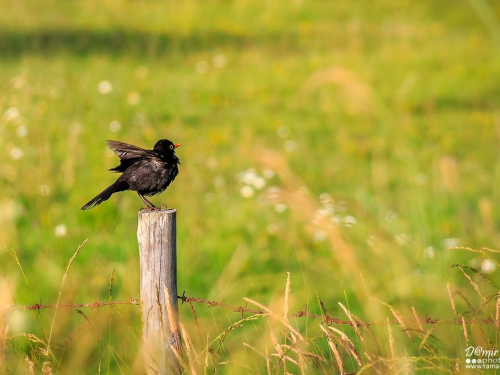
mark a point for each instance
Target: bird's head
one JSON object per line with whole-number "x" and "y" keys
{"x": 165, "y": 147}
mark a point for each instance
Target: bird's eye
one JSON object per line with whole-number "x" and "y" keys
{"x": 171, "y": 147}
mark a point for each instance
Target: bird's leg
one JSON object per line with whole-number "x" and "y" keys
{"x": 146, "y": 202}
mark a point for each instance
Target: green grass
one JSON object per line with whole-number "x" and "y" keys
{"x": 392, "y": 109}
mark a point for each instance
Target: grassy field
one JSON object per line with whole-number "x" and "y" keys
{"x": 354, "y": 145}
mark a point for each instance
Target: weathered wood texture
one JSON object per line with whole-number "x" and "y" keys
{"x": 156, "y": 234}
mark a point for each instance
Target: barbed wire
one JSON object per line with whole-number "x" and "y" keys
{"x": 244, "y": 309}
{"x": 331, "y": 320}
{"x": 70, "y": 305}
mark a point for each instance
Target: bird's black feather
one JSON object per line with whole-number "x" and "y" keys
{"x": 149, "y": 172}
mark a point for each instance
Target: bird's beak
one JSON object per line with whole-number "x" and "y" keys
{"x": 177, "y": 145}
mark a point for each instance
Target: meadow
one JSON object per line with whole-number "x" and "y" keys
{"x": 352, "y": 146}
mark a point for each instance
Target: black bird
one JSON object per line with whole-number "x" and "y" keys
{"x": 148, "y": 172}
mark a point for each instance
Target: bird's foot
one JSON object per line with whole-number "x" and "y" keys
{"x": 155, "y": 208}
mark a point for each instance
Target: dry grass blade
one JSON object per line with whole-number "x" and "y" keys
{"x": 279, "y": 350}
{"x": 268, "y": 363}
{"x": 287, "y": 296}
{"x": 391, "y": 340}
{"x": 374, "y": 363}
{"x": 13, "y": 254}
{"x": 34, "y": 339}
{"x": 400, "y": 365}
{"x": 482, "y": 275}
{"x": 189, "y": 348}
{"x": 255, "y": 350}
{"x": 417, "y": 318}
{"x": 195, "y": 320}
{"x": 300, "y": 354}
{"x": 460, "y": 294}
{"x": 347, "y": 345}
{"x": 426, "y": 336}
{"x": 308, "y": 354}
{"x": 286, "y": 357}
{"x": 353, "y": 322}
{"x": 47, "y": 368}
{"x": 271, "y": 313}
{"x": 222, "y": 336}
{"x": 466, "y": 333}
{"x": 111, "y": 283}
{"x": 450, "y": 295}
{"x": 398, "y": 317}
{"x": 276, "y": 344}
{"x": 302, "y": 362}
{"x": 400, "y": 320}
{"x": 265, "y": 356}
{"x": 497, "y": 310}
{"x": 334, "y": 349}
{"x": 474, "y": 250}
{"x": 323, "y": 309}
{"x": 60, "y": 291}
{"x": 31, "y": 365}
{"x": 474, "y": 285}
{"x": 207, "y": 352}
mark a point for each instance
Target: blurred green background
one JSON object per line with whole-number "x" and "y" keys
{"x": 350, "y": 143}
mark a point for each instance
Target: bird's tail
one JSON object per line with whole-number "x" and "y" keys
{"x": 104, "y": 196}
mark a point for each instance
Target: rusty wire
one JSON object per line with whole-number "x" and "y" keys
{"x": 243, "y": 309}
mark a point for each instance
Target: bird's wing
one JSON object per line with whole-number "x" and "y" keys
{"x": 126, "y": 151}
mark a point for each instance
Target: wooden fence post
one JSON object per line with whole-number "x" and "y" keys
{"x": 156, "y": 234}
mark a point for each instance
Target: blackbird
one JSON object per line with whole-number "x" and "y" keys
{"x": 148, "y": 172}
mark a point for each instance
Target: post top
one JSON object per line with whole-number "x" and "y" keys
{"x": 167, "y": 211}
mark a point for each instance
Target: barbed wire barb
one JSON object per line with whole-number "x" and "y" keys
{"x": 324, "y": 316}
